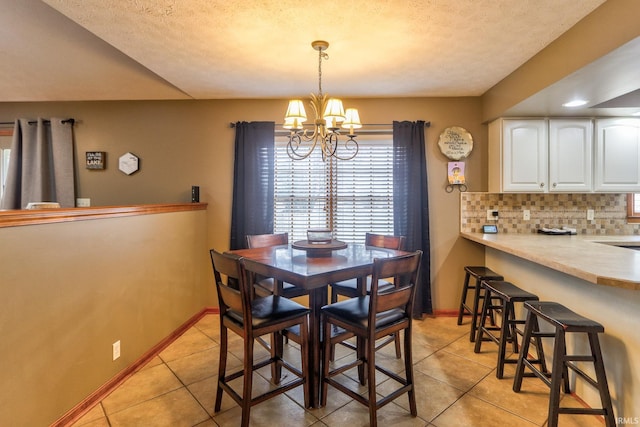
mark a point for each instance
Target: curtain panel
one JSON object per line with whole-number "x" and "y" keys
{"x": 41, "y": 167}
{"x": 253, "y": 188}
{"x": 411, "y": 203}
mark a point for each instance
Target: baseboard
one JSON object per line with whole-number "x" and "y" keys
{"x": 90, "y": 401}
{"x": 445, "y": 313}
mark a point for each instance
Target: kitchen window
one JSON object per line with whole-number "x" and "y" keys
{"x": 633, "y": 207}
{"x": 351, "y": 197}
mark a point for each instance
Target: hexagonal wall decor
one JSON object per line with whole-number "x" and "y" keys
{"x": 128, "y": 163}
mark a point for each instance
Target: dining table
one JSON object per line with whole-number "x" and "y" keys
{"x": 314, "y": 270}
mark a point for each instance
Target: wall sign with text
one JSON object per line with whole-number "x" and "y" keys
{"x": 455, "y": 142}
{"x": 95, "y": 159}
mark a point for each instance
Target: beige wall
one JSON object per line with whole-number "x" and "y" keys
{"x": 70, "y": 290}
{"x": 185, "y": 143}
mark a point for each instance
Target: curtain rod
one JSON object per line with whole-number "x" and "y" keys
{"x": 426, "y": 124}
{"x": 33, "y": 122}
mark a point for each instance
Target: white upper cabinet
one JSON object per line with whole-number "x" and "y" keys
{"x": 570, "y": 155}
{"x": 525, "y": 151}
{"x": 617, "y": 158}
{"x": 539, "y": 155}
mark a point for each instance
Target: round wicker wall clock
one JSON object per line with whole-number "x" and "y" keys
{"x": 455, "y": 142}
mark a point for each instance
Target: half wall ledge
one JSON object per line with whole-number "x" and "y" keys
{"x": 17, "y": 218}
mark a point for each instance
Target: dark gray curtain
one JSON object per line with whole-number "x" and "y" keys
{"x": 253, "y": 191}
{"x": 41, "y": 167}
{"x": 411, "y": 202}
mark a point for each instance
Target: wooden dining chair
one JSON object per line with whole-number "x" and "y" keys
{"x": 251, "y": 317}
{"x": 266, "y": 286}
{"x": 349, "y": 288}
{"x": 371, "y": 317}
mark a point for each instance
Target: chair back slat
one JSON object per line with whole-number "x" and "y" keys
{"x": 404, "y": 269}
{"x": 384, "y": 241}
{"x": 266, "y": 240}
{"x": 394, "y": 298}
{"x": 230, "y": 293}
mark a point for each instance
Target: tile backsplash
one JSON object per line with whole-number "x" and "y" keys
{"x": 547, "y": 210}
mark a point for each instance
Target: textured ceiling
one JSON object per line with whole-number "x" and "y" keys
{"x": 207, "y": 49}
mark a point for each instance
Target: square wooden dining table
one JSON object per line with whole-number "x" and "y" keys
{"x": 315, "y": 273}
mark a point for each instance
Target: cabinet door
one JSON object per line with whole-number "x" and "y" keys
{"x": 617, "y": 160}
{"x": 570, "y": 155}
{"x": 524, "y": 162}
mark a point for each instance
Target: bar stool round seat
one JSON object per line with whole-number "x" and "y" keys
{"x": 500, "y": 296}
{"x": 565, "y": 321}
{"x": 479, "y": 273}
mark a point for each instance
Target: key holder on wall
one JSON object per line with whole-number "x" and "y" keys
{"x": 456, "y": 143}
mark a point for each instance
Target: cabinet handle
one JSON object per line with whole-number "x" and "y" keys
{"x": 542, "y": 185}
{"x": 555, "y": 185}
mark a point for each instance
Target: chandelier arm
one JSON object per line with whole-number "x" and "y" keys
{"x": 331, "y": 144}
{"x": 295, "y": 143}
{"x": 349, "y": 144}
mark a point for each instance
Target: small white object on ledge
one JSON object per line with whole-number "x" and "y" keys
{"x": 43, "y": 205}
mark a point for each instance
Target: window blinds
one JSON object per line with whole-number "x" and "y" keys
{"x": 351, "y": 197}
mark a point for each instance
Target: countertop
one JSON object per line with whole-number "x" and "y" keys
{"x": 593, "y": 258}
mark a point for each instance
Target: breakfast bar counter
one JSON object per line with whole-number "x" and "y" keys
{"x": 598, "y": 259}
{"x": 590, "y": 275}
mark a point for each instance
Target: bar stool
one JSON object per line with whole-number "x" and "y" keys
{"x": 565, "y": 321}
{"x": 480, "y": 274}
{"x": 500, "y": 296}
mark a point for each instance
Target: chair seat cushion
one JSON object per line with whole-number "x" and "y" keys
{"x": 269, "y": 310}
{"x": 350, "y": 287}
{"x": 356, "y": 312}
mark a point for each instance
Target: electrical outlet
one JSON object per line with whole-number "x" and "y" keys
{"x": 526, "y": 215}
{"x": 492, "y": 214}
{"x": 591, "y": 215}
{"x": 83, "y": 203}
{"x": 116, "y": 350}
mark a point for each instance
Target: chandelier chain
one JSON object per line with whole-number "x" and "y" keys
{"x": 321, "y": 55}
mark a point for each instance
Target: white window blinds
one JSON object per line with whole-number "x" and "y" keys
{"x": 351, "y": 197}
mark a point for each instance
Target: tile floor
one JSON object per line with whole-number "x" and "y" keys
{"x": 454, "y": 387}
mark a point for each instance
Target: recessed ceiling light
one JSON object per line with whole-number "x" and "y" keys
{"x": 575, "y": 103}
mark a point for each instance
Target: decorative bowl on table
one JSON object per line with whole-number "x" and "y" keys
{"x": 319, "y": 236}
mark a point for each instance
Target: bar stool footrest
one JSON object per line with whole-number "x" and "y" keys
{"x": 582, "y": 411}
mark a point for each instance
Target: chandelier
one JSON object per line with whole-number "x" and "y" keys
{"x": 330, "y": 116}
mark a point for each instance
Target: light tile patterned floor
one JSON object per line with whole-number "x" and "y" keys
{"x": 454, "y": 387}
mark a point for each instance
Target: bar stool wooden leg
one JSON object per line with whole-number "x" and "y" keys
{"x": 557, "y": 376}
{"x": 463, "y": 298}
{"x": 530, "y": 325}
{"x": 474, "y": 314}
{"x": 506, "y": 333}
{"x": 601, "y": 378}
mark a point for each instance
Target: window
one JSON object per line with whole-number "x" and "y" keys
{"x": 351, "y": 197}
{"x": 633, "y": 207}
{"x": 5, "y": 153}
